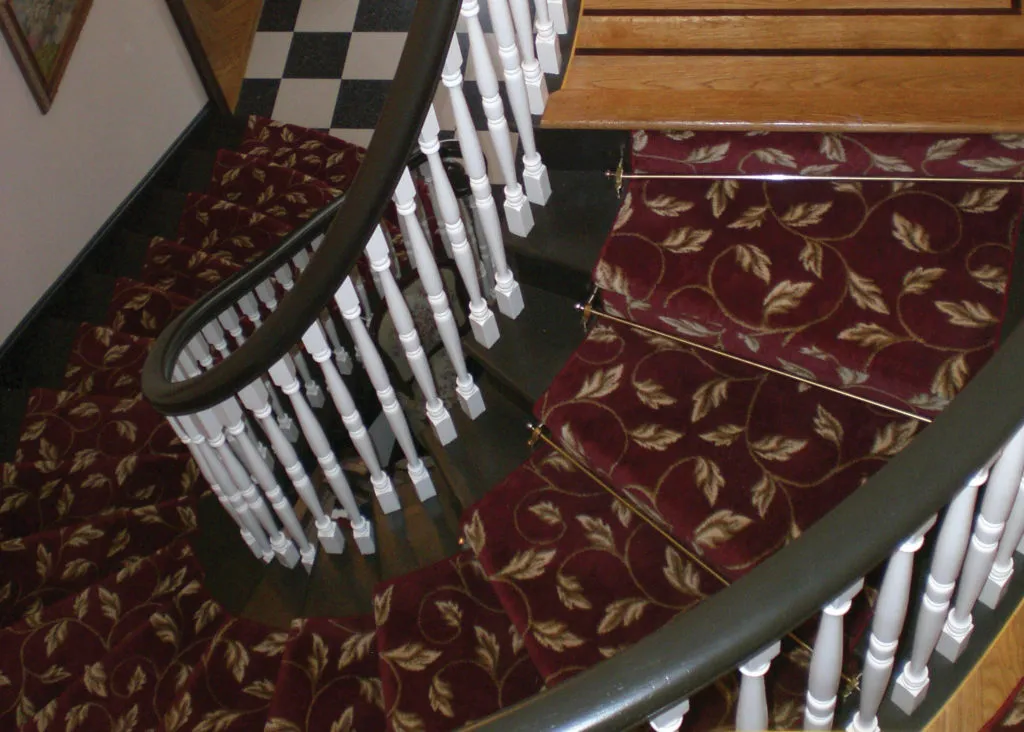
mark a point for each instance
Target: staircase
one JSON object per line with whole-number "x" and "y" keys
{"x": 800, "y": 391}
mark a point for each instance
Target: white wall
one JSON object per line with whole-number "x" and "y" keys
{"x": 128, "y": 92}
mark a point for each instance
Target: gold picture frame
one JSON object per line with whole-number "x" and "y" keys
{"x": 42, "y": 34}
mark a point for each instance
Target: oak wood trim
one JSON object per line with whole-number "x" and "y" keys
{"x": 197, "y": 53}
{"x": 788, "y": 6}
{"x": 859, "y": 32}
{"x": 875, "y": 93}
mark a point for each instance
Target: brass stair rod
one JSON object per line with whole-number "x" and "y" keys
{"x": 620, "y": 175}
{"x": 588, "y": 309}
{"x": 537, "y": 433}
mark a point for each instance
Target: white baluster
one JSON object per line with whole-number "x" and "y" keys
{"x": 380, "y": 260}
{"x": 257, "y": 543}
{"x": 535, "y": 175}
{"x": 428, "y": 179}
{"x": 342, "y": 359}
{"x": 250, "y": 308}
{"x": 1002, "y": 569}
{"x": 890, "y": 614}
{"x": 223, "y": 478}
{"x": 536, "y": 84}
{"x": 672, "y": 719}
{"x": 403, "y": 230}
{"x": 383, "y": 489}
{"x": 470, "y": 399}
{"x": 348, "y": 302}
{"x": 301, "y": 260}
{"x": 284, "y": 420}
{"x": 518, "y": 214}
{"x": 267, "y": 295}
{"x": 826, "y": 669}
{"x": 950, "y": 547}
{"x": 559, "y": 10}
{"x": 314, "y": 394}
{"x": 255, "y": 399}
{"x": 233, "y": 325}
{"x": 214, "y": 335}
{"x": 230, "y": 415}
{"x": 283, "y": 374}
{"x": 283, "y": 274}
{"x": 481, "y": 319}
{"x": 752, "y": 705}
{"x": 506, "y": 289}
{"x": 549, "y": 52}
{"x": 364, "y": 297}
{"x": 285, "y": 549}
{"x": 199, "y": 349}
{"x": 996, "y": 504}
{"x": 187, "y": 366}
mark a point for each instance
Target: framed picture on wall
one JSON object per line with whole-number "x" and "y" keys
{"x": 42, "y": 34}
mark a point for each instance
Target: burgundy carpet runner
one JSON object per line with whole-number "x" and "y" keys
{"x": 677, "y": 470}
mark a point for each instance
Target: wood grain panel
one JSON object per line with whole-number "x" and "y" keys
{"x": 693, "y": 6}
{"x": 810, "y": 93}
{"x": 989, "y": 683}
{"x": 226, "y": 29}
{"x": 703, "y": 32}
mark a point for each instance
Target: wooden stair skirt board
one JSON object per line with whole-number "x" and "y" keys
{"x": 816, "y": 65}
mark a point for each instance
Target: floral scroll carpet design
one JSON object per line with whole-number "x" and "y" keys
{"x": 670, "y": 471}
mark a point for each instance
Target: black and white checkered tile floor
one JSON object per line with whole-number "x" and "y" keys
{"x": 328, "y": 64}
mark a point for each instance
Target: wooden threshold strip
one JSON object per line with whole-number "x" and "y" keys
{"x": 783, "y": 6}
{"x": 811, "y": 93}
{"x": 830, "y": 33}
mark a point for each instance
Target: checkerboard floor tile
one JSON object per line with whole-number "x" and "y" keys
{"x": 328, "y": 64}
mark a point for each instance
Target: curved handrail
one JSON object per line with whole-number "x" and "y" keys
{"x": 355, "y": 217}
{"x": 718, "y": 635}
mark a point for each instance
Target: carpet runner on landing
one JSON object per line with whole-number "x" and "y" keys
{"x": 893, "y": 289}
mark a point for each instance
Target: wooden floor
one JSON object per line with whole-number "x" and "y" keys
{"x": 225, "y": 29}
{"x": 870, "y": 65}
{"x": 989, "y": 684}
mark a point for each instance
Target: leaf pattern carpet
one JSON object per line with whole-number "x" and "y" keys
{"x": 672, "y": 472}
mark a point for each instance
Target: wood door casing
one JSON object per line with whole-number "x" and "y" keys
{"x": 913, "y": 65}
{"x": 219, "y": 36}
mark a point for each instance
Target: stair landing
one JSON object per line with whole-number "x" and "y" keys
{"x": 813, "y": 65}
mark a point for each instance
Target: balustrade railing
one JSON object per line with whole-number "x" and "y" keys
{"x": 295, "y": 329}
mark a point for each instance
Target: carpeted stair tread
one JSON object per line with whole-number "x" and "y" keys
{"x": 229, "y": 230}
{"x": 177, "y": 268}
{"x": 285, "y": 194}
{"x": 61, "y": 424}
{"x": 135, "y": 686}
{"x": 106, "y": 361}
{"x": 894, "y": 291}
{"x": 838, "y": 154}
{"x": 329, "y": 673}
{"x": 448, "y": 652}
{"x": 735, "y": 461}
{"x": 580, "y": 576}
{"x": 47, "y": 566}
{"x": 49, "y": 651}
{"x": 314, "y": 153}
{"x": 231, "y": 688}
{"x": 142, "y": 309}
{"x": 42, "y": 496}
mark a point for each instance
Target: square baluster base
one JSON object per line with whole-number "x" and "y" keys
{"x": 907, "y": 697}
